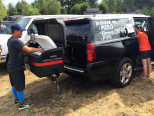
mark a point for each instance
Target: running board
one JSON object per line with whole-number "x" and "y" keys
{"x": 139, "y": 68}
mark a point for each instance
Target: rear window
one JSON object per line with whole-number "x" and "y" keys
{"x": 109, "y": 29}
{"x": 77, "y": 30}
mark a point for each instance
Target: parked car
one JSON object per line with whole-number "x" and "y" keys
{"x": 98, "y": 46}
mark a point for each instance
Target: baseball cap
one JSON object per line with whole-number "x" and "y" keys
{"x": 17, "y": 27}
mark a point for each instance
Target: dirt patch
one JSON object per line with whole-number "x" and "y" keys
{"x": 79, "y": 97}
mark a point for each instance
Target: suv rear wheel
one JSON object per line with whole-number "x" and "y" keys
{"x": 124, "y": 72}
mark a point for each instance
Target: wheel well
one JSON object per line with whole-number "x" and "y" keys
{"x": 131, "y": 56}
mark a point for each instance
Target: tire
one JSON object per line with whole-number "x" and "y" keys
{"x": 123, "y": 72}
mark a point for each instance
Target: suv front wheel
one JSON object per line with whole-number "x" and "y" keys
{"x": 124, "y": 72}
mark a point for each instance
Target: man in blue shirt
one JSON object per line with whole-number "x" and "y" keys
{"x": 15, "y": 64}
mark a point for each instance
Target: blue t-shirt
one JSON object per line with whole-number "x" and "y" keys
{"x": 16, "y": 55}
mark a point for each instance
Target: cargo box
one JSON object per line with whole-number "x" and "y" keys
{"x": 50, "y": 61}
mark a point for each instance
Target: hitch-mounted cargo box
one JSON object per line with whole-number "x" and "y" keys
{"x": 50, "y": 61}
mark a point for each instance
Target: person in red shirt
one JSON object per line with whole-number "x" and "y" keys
{"x": 145, "y": 51}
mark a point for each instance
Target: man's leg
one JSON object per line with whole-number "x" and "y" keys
{"x": 13, "y": 86}
{"x": 144, "y": 62}
{"x": 14, "y": 92}
{"x": 20, "y": 95}
{"x": 149, "y": 67}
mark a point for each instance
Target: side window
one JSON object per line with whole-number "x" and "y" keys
{"x": 141, "y": 22}
{"x": 109, "y": 29}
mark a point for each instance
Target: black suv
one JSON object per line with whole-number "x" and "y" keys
{"x": 100, "y": 46}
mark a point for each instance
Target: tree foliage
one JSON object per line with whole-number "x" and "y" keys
{"x": 49, "y": 7}
{"x": 29, "y": 10}
{"x": 63, "y": 10}
{"x": 103, "y": 6}
{"x": 112, "y": 4}
{"x": 83, "y": 7}
{"x": 3, "y": 11}
{"x": 152, "y": 12}
{"x": 75, "y": 9}
{"x": 11, "y": 10}
{"x": 68, "y": 4}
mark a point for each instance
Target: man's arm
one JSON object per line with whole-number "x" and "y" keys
{"x": 31, "y": 49}
{"x": 28, "y": 42}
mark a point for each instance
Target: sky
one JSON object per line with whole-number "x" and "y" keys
{"x": 6, "y": 2}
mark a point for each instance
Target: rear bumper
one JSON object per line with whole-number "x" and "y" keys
{"x": 95, "y": 71}
{"x": 74, "y": 69}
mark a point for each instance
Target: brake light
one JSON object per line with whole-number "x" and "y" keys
{"x": 0, "y": 49}
{"x": 91, "y": 55}
{"x": 66, "y": 21}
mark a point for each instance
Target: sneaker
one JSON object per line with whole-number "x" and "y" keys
{"x": 17, "y": 101}
{"x": 25, "y": 105}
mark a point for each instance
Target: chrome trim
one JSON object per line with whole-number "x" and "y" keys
{"x": 77, "y": 70}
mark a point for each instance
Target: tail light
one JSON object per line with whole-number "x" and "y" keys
{"x": 0, "y": 49}
{"x": 66, "y": 21}
{"x": 91, "y": 55}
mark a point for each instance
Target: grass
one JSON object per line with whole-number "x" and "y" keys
{"x": 79, "y": 97}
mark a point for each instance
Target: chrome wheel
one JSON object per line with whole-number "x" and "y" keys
{"x": 126, "y": 73}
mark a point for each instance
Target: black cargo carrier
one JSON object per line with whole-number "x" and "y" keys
{"x": 50, "y": 61}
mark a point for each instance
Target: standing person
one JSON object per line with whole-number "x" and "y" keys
{"x": 15, "y": 64}
{"x": 145, "y": 51}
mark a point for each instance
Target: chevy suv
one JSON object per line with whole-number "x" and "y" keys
{"x": 98, "y": 46}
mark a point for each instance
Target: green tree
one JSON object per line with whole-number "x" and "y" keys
{"x": 52, "y": 7}
{"x": 19, "y": 7}
{"x": 30, "y": 10}
{"x": 68, "y": 4}
{"x": 11, "y": 10}
{"x": 92, "y": 3}
{"x": 40, "y": 5}
{"x": 63, "y": 10}
{"x": 75, "y": 9}
{"x": 145, "y": 10}
{"x": 152, "y": 12}
{"x": 112, "y": 4}
{"x": 84, "y": 6}
{"x": 103, "y": 6}
{"x": 47, "y": 6}
{"x": 3, "y": 11}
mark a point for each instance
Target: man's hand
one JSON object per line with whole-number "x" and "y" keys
{"x": 29, "y": 41}
{"x": 31, "y": 49}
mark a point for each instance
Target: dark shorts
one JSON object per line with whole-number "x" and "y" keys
{"x": 17, "y": 80}
{"x": 145, "y": 54}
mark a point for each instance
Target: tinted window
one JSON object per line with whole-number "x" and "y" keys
{"x": 109, "y": 29}
{"x": 77, "y": 31}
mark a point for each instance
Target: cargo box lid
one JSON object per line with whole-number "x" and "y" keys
{"x": 45, "y": 42}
